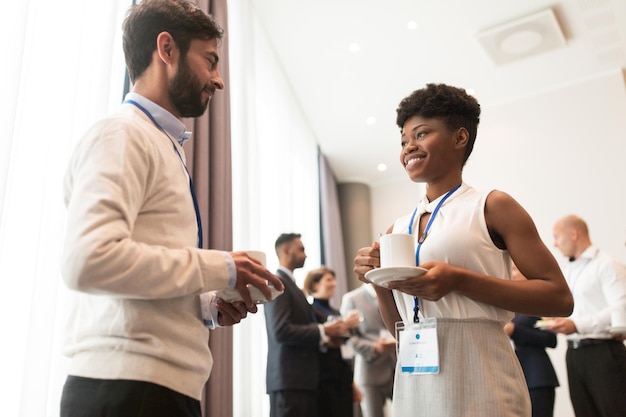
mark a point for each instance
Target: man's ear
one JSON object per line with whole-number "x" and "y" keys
{"x": 283, "y": 250}
{"x": 166, "y": 47}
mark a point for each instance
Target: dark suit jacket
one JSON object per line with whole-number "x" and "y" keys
{"x": 530, "y": 347}
{"x": 293, "y": 339}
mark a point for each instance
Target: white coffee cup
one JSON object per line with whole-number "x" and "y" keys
{"x": 618, "y": 317}
{"x": 258, "y": 255}
{"x": 231, "y": 294}
{"x": 397, "y": 250}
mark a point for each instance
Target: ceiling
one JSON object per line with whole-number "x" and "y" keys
{"x": 529, "y": 98}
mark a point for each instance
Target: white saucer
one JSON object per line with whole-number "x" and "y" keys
{"x": 381, "y": 276}
{"x": 617, "y": 329}
{"x": 231, "y": 294}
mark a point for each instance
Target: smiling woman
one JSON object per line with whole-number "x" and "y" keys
{"x": 68, "y": 71}
{"x": 439, "y": 126}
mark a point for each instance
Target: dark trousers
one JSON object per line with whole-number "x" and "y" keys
{"x": 293, "y": 403}
{"x": 335, "y": 398}
{"x": 86, "y": 397}
{"x": 542, "y": 401}
{"x": 597, "y": 379}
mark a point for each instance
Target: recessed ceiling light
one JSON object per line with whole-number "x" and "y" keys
{"x": 382, "y": 167}
{"x": 370, "y": 120}
{"x": 411, "y": 25}
{"x": 354, "y": 47}
{"x": 470, "y": 91}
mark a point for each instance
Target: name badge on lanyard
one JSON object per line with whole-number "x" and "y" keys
{"x": 418, "y": 349}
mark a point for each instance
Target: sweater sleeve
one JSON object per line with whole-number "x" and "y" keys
{"x": 131, "y": 228}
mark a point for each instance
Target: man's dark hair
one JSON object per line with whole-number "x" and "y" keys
{"x": 144, "y": 21}
{"x": 285, "y": 238}
{"x": 452, "y": 105}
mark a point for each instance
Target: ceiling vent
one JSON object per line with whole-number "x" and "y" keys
{"x": 527, "y": 36}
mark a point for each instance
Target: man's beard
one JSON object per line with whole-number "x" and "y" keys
{"x": 186, "y": 92}
{"x": 298, "y": 263}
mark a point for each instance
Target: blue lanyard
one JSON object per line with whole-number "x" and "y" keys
{"x": 421, "y": 240}
{"x": 191, "y": 187}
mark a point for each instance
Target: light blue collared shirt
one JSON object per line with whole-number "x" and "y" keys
{"x": 170, "y": 123}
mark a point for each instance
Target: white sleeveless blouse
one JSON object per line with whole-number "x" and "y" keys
{"x": 457, "y": 236}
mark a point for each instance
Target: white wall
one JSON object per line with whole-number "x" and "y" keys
{"x": 549, "y": 174}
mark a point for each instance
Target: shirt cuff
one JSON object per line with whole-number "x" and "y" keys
{"x": 323, "y": 339}
{"x": 208, "y": 307}
{"x": 232, "y": 270}
{"x": 208, "y": 300}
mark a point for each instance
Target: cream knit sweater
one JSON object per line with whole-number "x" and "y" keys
{"x": 131, "y": 256}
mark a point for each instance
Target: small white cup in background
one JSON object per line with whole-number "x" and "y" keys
{"x": 618, "y": 317}
{"x": 397, "y": 250}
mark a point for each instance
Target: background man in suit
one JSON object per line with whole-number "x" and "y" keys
{"x": 294, "y": 338}
{"x": 375, "y": 359}
{"x": 530, "y": 347}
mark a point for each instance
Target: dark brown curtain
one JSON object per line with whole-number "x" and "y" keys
{"x": 208, "y": 159}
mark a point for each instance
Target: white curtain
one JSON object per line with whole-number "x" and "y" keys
{"x": 63, "y": 69}
{"x": 275, "y": 183}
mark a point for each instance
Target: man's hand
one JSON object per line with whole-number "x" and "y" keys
{"x": 231, "y": 313}
{"x": 335, "y": 328}
{"x": 561, "y": 325}
{"x": 618, "y": 336}
{"x": 509, "y": 328}
{"x": 252, "y": 272}
{"x": 334, "y": 342}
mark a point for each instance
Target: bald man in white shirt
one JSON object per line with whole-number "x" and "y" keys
{"x": 596, "y": 358}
